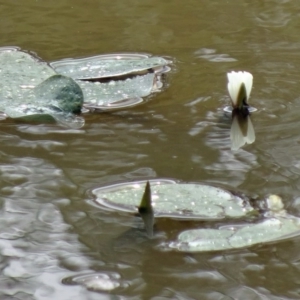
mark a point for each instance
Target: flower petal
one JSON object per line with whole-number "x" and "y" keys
{"x": 239, "y": 87}
{"x": 233, "y": 86}
{"x": 248, "y": 81}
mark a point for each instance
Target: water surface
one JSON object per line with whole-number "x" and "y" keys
{"x": 49, "y": 229}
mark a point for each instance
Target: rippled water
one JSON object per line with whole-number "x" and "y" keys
{"x": 55, "y": 244}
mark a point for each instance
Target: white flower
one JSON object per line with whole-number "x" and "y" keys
{"x": 239, "y": 87}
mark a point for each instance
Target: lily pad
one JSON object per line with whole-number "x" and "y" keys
{"x": 108, "y": 66}
{"x": 128, "y": 78}
{"x": 31, "y": 89}
{"x": 26, "y": 90}
{"x": 55, "y": 95}
{"x": 117, "y": 94}
{"x": 177, "y": 200}
{"x": 233, "y": 237}
{"x": 19, "y": 72}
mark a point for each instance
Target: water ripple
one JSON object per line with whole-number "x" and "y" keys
{"x": 212, "y": 56}
{"x": 277, "y": 16}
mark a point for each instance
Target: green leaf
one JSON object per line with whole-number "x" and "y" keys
{"x": 117, "y": 94}
{"x": 20, "y": 73}
{"x": 31, "y": 90}
{"x": 108, "y": 65}
{"x": 57, "y": 97}
{"x": 25, "y": 87}
{"x": 241, "y": 236}
{"x": 176, "y": 200}
{"x": 131, "y": 78}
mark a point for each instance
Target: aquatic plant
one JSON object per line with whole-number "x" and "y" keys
{"x": 173, "y": 199}
{"x": 239, "y": 88}
{"x": 31, "y": 89}
{"x": 249, "y": 224}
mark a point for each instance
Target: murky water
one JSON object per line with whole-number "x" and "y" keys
{"x": 49, "y": 229}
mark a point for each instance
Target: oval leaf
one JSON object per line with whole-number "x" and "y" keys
{"x": 178, "y": 200}
{"x": 118, "y": 94}
{"x": 20, "y": 73}
{"x": 108, "y": 66}
{"x": 230, "y": 237}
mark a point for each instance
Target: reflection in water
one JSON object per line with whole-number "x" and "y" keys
{"x": 242, "y": 130}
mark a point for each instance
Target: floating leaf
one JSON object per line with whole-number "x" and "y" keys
{"x": 146, "y": 211}
{"x": 132, "y": 77}
{"x": 30, "y": 89}
{"x": 20, "y": 72}
{"x": 117, "y": 94}
{"x": 177, "y": 200}
{"x": 58, "y": 97}
{"x": 26, "y": 87}
{"x": 233, "y": 237}
{"x": 108, "y": 65}
{"x": 58, "y": 92}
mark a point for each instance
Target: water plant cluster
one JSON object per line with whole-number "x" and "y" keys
{"x": 32, "y": 88}
{"x": 184, "y": 201}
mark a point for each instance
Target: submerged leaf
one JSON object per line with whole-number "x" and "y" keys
{"x": 177, "y": 200}
{"x": 146, "y": 211}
